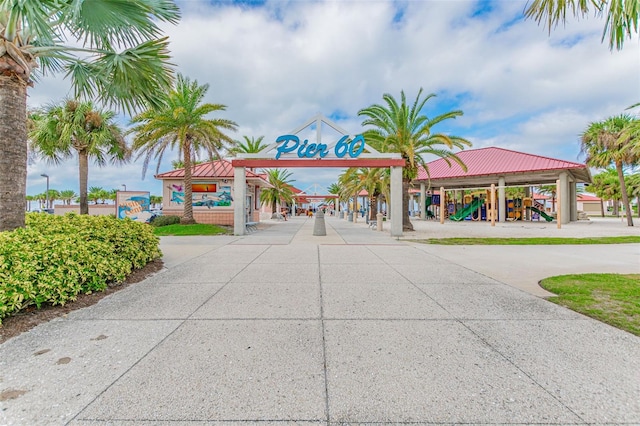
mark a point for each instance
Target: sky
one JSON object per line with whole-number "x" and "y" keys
{"x": 277, "y": 63}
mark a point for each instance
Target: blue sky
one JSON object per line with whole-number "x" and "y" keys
{"x": 275, "y": 64}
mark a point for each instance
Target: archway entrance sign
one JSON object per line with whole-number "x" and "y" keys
{"x": 291, "y": 151}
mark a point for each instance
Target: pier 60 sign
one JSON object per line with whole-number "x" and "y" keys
{"x": 291, "y": 143}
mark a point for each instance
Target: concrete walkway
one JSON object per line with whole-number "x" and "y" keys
{"x": 281, "y": 327}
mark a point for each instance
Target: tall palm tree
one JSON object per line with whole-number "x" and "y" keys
{"x": 609, "y": 142}
{"x": 117, "y": 57}
{"x": 405, "y": 130}
{"x": 181, "y": 124}
{"x": 621, "y": 15}
{"x": 279, "y": 192}
{"x": 249, "y": 146}
{"x": 62, "y": 130}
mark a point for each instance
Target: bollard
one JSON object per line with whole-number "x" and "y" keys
{"x": 319, "y": 228}
{"x": 379, "y": 218}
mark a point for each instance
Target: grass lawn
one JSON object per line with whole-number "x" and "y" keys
{"x": 529, "y": 241}
{"x": 195, "y": 229}
{"x": 610, "y": 298}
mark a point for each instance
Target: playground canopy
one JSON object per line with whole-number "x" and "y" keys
{"x": 486, "y": 165}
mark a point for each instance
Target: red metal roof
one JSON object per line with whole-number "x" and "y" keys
{"x": 492, "y": 161}
{"x": 587, "y": 197}
{"x": 212, "y": 169}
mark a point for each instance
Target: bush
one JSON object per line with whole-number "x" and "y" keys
{"x": 164, "y": 220}
{"x": 54, "y": 258}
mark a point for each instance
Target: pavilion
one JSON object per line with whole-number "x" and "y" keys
{"x": 506, "y": 168}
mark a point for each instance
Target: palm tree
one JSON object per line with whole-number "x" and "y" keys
{"x": 59, "y": 131}
{"x": 54, "y": 195}
{"x": 280, "y": 191}
{"x": 622, "y": 15}
{"x": 549, "y": 190}
{"x": 179, "y": 164}
{"x": 154, "y": 200}
{"x": 29, "y": 199}
{"x": 606, "y": 186}
{"x": 67, "y": 195}
{"x": 633, "y": 188}
{"x": 117, "y": 57}
{"x": 398, "y": 128}
{"x": 95, "y": 194}
{"x": 610, "y": 142}
{"x": 181, "y": 123}
{"x": 249, "y": 146}
{"x": 334, "y": 189}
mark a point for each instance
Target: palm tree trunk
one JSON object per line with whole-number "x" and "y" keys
{"x": 602, "y": 206}
{"x": 406, "y": 222}
{"x": 13, "y": 157}
{"x": 83, "y": 173}
{"x": 187, "y": 217}
{"x": 625, "y": 197}
{"x": 373, "y": 207}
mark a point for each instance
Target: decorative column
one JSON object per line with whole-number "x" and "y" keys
{"x": 239, "y": 200}
{"x": 423, "y": 201}
{"x": 396, "y": 201}
{"x": 502, "y": 200}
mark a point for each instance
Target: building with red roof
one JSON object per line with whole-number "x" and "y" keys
{"x": 506, "y": 168}
{"x": 212, "y": 186}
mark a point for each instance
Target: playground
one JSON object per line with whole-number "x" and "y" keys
{"x": 477, "y": 206}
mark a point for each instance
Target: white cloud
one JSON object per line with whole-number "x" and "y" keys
{"x": 277, "y": 65}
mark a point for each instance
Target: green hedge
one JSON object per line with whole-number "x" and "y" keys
{"x": 54, "y": 258}
{"x": 161, "y": 220}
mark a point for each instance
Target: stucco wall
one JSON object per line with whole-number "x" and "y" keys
{"x": 94, "y": 209}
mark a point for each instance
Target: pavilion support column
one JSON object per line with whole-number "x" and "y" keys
{"x": 502, "y": 200}
{"x": 239, "y": 200}
{"x": 423, "y": 201}
{"x": 396, "y": 201}
{"x": 573, "y": 201}
{"x": 565, "y": 210}
{"x": 492, "y": 212}
{"x": 559, "y": 197}
{"x": 442, "y": 206}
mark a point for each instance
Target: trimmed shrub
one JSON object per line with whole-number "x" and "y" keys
{"x": 54, "y": 258}
{"x": 165, "y": 220}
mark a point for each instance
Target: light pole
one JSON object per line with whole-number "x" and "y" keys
{"x": 124, "y": 186}
{"x": 46, "y": 176}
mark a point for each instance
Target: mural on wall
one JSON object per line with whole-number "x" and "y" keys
{"x": 134, "y": 204}
{"x": 204, "y": 194}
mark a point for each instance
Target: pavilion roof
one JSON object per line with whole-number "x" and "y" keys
{"x": 485, "y": 165}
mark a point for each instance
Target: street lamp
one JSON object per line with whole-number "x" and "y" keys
{"x": 46, "y": 176}
{"x": 124, "y": 186}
